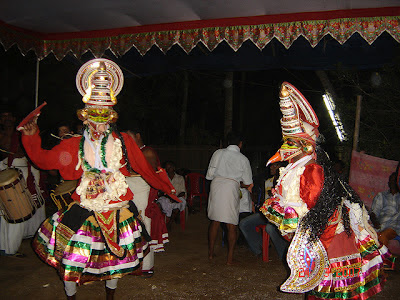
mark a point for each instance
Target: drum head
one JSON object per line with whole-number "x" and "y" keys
{"x": 65, "y": 187}
{"x": 8, "y": 176}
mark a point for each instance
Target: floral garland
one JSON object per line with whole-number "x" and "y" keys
{"x": 115, "y": 184}
{"x": 85, "y": 163}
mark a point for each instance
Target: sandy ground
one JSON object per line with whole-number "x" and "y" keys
{"x": 182, "y": 272}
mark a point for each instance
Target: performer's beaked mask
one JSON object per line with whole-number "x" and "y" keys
{"x": 99, "y": 81}
{"x": 299, "y": 125}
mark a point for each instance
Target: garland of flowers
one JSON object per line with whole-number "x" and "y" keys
{"x": 85, "y": 163}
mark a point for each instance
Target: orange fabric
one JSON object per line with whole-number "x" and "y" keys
{"x": 311, "y": 184}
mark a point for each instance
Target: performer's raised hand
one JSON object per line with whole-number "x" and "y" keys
{"x": 30, "y": 128}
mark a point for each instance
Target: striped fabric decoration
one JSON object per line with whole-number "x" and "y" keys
{"x": 85, "y": 256}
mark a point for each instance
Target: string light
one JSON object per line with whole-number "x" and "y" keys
{"x": 337, "y": 123}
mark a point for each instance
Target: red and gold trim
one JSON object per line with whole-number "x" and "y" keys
{"x": 260, "y": 30}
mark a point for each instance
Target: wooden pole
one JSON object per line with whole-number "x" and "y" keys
{"x": 357, "y": 123}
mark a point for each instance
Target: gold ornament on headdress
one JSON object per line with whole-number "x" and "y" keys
{"x": 284, "y": 92}
{"x": 88, "y": 91}
{"x": 99, "y": 81}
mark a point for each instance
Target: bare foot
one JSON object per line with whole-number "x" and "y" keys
{"x": 232, "y": 262}
{"x": 211, "y": 256}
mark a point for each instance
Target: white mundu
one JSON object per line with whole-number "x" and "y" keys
{"x": 11, "y": 235}
{"x": 227, "y": 168}
{"x": 141, "y": 190}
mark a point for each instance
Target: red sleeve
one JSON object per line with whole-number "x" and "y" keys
{"x": 63, "y": 157}
{"x": 140, "y": 165}
{"x": 311, "y": 184}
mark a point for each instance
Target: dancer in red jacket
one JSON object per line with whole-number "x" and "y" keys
{"x": 99, "y": 236}
{"x": 334, "y": 251}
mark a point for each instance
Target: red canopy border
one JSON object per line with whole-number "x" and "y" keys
{"x": 286, "y": 28}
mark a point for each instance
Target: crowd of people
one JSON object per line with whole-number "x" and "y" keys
{"x": 125, "y": 201}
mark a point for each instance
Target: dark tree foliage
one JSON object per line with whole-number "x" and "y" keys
{"x": 379, "y": 125}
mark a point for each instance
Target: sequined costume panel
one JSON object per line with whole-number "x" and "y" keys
{"x": 335, "y": 266}
{"x": 100, "y": 236}
{"x": 80, "y": 254}
{"x": 297, "y": 191}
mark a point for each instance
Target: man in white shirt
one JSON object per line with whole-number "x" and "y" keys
{"x": 229, "y": 170}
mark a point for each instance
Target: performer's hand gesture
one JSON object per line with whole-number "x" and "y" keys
{"x": 30, "y": 128}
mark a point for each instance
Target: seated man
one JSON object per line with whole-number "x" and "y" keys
{"x": 248, "y": 225}
{"x": 386, "y": 212}
{"x": 170, "y": 207}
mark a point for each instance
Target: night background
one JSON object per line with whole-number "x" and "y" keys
{"x": 152, "y": 95}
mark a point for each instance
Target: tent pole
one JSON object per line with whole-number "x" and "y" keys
{"x": 37, "y": 84}
{"x": 357, "y": 123}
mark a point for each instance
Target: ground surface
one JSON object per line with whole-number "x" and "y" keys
{"x": 182, "y": 272}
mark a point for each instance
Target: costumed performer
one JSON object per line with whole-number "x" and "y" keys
{"x": 334, "y": 251}
{"x": 150, "y": 212}
{"x": 99, "y": 236}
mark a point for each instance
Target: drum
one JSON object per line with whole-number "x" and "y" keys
{"x": 16, "y": 201}
{"x": 61, "y": 195}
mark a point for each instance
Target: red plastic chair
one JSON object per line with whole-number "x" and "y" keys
{"x": 265, "y": 241}
{"x": 195, "y": 187}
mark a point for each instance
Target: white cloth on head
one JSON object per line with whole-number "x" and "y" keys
{"x": 11, "y": 235}
{"x": 141, "y": 190}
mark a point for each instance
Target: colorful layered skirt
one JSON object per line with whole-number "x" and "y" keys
{"x": 357, "y": 275}
{"x": 337, "y": 265}
{"x": 76, "y": 242}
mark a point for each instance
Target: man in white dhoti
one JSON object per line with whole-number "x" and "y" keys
{"x": 229, "y": 170}
{"x": 12, "y": 234}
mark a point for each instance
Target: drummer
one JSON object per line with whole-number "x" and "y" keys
{"x": 11, "y": 235}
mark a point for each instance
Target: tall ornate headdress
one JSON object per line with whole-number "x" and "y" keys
{"x": 299, "y": 119}
{"x": 99, "y": 81}
{"x": 298, "y": 122}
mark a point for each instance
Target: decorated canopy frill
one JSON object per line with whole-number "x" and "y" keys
{"x": 260, "y": 30}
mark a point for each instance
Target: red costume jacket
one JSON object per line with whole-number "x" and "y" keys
{"x": 64, "y": 157}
